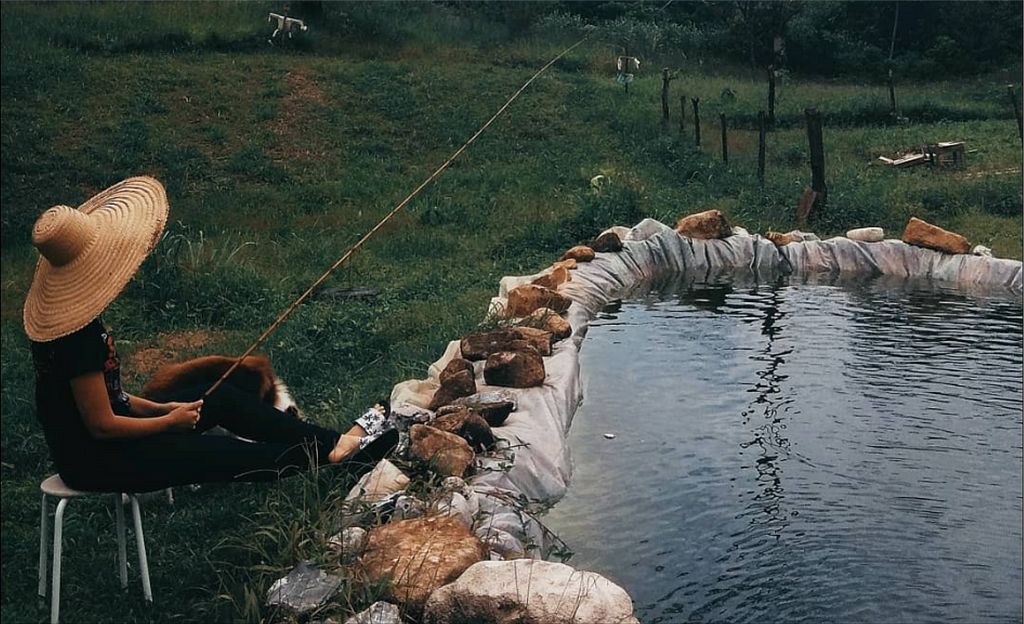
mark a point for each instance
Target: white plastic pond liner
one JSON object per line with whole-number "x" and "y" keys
{"x": 538, "y": 466}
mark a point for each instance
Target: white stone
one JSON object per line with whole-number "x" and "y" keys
{"x": 455, "y": 505}
{"x": 501, "y": 543}
{"x": 739, "y": 231}
{"x": 378, "y": 613}
{"x": 800, "y": 237}
{"x": 528, "y": 590}
{"x": 609, "y": 436}
{"x": 407, "y": 507}
{"x": 981, "y": 250}
{"x": 305, "y": 588}
{"x": 351, "y": 541}
{"x": 383, "y": 481}
{"x": 867, "y": 234}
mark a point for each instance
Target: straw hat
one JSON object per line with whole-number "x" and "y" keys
{"x": 90, "y": 254}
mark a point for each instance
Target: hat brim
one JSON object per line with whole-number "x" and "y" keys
{"x": 130, "y": 216}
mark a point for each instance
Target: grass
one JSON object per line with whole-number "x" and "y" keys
{"x": 276, "y": 160}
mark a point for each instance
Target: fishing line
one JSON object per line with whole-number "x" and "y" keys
{"x": 394, "y": 211}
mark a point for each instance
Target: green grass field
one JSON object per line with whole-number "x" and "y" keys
{"x": 276, "y": 160}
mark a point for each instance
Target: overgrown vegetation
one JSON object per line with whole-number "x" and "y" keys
{"x": 277, "y": 158}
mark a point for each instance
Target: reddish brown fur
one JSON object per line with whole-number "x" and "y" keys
{"x": 255, "y": 375}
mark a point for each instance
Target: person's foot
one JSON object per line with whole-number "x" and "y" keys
{"x": 347, "y": 444}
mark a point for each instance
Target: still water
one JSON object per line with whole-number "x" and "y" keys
{"x": 796, "y": 452}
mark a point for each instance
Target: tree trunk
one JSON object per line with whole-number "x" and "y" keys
{"x": 771, "y": 96}
{"x": 664, "y": 96}
{"x": 725, "y": 139}
{"x": 817, "y": 150}
{"x": 696, "y": 121}
{"x": 761, "y": 136}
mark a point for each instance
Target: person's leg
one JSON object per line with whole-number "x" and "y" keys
{"x": 245, "y": 415}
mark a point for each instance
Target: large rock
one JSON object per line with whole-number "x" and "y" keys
{"x": 418, "y": 556}
{"x": 384, "y": 480}
{"x": 564, "y": 264}
{"x": 708, "y": 224}
{"x": 377, "y": 613}
{"x": 553, "y": 279}
{"x": 528, "y": 297}
{"x": 481, "y": 346}
{"x": 349, "y": 543}
{"x": 457, "y": 380}
{"x": 924, "y": 234}
{"x": 515, "y": 369}
{"x": 579, "y": 253}
{"x": 448, "y": 454}
{"x": 528, "y": 591}
{"x": 550, "y": 321}
{"x": 867, "y": 234}
{"x": 607, "y": 242}
{"x": 467, "y": 424}
{"x": 494, "y": 405}
{"x": 779, "y": 238}
{"x": 305, "y": 588}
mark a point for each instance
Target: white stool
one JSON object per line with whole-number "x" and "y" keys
{"x": 55, "y": 486}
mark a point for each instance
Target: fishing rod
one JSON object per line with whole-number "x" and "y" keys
{"x": 387, "y": 218}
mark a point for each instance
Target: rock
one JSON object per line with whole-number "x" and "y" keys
{"x": 514, "y": 369}
{"x": 482, "y": 345}
{"x": 569, "y": 264}
{"x": 501, "y": 543}
{"x": 619, "y": 230}
{"x": 403, "y": 417}
{"x": 447, "y": 453}
{"x": 418, "y": 556}
{"x": 797, "y": 236}
{"x": 469, "y": 425}
{"x": 455, "y": 505}
{"x": 579, "y": 253}
{"x": 527, "y": 298}
{"x": 706, "y": 225}
{"x": 779, "y": 238}
{"x": 454, "y": 484}
{"x": 607, "y": 242}
{"x": 493, "y": 405}
{"x": 305, "y": 588}
{"x": 378, "y": 613}
{"x": 924, "y": 234}
{"x": 555, "y": 278}
{"x": 981, "y": 250}
{"x": 867, "y": 234}
{"x": 739, "y": 231}
{"x": 350, "y": 542}
{"x": 457, "y": 380}
{"x": 550, "y": 321}
{"x": 408, "y": 507}
{"x": 384, "y": 480}
{"x": 494, "y": 592}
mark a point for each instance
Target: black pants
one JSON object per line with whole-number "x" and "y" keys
{"x": 281, "y": 446}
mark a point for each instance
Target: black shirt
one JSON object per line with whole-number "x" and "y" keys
{"x": 57, "y": 362}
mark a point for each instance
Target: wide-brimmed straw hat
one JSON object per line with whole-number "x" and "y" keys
{"x": 90, "y": 254}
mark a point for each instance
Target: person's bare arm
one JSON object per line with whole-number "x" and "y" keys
{"x": 148, "y": 409}
{"x": 90, "y": 394}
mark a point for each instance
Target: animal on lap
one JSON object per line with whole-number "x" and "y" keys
{"x": 254, "y": 375}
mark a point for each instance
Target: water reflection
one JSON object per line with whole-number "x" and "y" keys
{"x": 802, "y": 452}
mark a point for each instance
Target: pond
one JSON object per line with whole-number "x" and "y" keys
{"x": 802, "y": 452}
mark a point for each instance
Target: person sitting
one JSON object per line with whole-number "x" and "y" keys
{"x": 103, "y": 439}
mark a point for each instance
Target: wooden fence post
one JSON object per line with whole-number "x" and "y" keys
{"x": 892, "y": 98}
{"x": 771, "y": 96}
{"x": 725, "y": 139}
{"x": 696, "y": 121}
{"x": 817, "y": 150}
{"x": 682, "y": 115}
{"x": 1016, "y": 109}
{"x": 761, "y": 136}
{"x": 665, "y": 79}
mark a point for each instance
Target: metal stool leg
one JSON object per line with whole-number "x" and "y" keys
{"x": 122, "y": 550}
{"x": 58, "y": 530}
{"x": 43, "y": 538}
{"x": 140, "y": 546}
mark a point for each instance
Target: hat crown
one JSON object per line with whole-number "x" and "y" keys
{"x": 62, "y": 233}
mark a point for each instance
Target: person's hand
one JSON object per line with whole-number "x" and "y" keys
{"x": 185, "y": 416}
{"x": 167, "y": 408}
